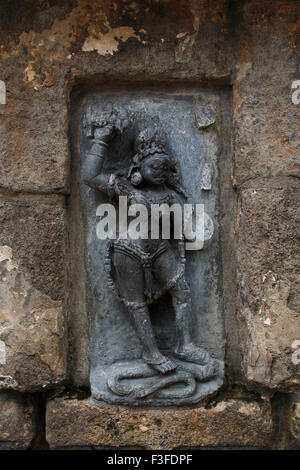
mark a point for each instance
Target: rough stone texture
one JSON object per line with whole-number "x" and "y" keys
{"x": 269, "y": 256}
{"x": 266, "y": 122}
{"x": 17, "y": 428}
{"x": 78, "y": 423}
{"x": 31, "y": 332}
{"x": 34, "y": 227}
{"x": 266, "y": 167}
{"x": 31, "y": 290}
{"x": 295, "y": 419}
{"x": 45, "y": 53}
{"x": 46, "y": 48}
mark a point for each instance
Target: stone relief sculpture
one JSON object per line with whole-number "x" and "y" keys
{"x": 142, "y": 270}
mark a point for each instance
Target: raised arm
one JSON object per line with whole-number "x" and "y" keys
{"x": 92, "y": 171}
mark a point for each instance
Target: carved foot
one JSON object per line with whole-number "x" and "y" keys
{"x": 160, "y": 363}
{"x": 192, "y": 353}
{"x": 211, "y": 369}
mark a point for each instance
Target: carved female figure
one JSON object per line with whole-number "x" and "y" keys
{"x": 144, "y": 269}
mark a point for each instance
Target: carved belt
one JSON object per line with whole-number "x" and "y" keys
{"x": 144, "y": 259}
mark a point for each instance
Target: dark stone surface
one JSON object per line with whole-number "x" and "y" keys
{"x": 113, "y": 338}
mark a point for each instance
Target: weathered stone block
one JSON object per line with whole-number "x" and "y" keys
{"x": 46, "y": 51}
{"x": 32, "y": 344}
{"x": 266, "y": 121}
{"x": 17, "y": 428}
{"x": 75, "y": 423}
{"x": 268, "y": 237}
{"x": 295, "y": 419}
{"x": 31, "y": 332}
{"x": 34, "y": 153}
{"x": 34, "y": 227}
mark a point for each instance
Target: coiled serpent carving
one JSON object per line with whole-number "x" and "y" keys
{"x": 155, "y": 384}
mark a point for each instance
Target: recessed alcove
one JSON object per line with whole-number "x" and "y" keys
{"x": 196, "y": 122}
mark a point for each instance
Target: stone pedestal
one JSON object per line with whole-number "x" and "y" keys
{"x": 73, "y": 423}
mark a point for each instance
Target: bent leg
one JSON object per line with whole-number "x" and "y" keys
{"x": 166, "y": 270}
{"x": 185, "y": 349}
{"x": 130, "y": 282}
{"x": 181, "y": 300}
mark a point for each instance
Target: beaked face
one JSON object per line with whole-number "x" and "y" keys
{"x": 155, "y": 168}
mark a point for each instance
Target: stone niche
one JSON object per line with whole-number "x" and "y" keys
{"x": 195, "y": 123}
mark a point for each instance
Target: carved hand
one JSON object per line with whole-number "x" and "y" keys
{"x": 105, "y": 133}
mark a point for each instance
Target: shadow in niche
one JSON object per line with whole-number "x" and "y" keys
{"x": 163, "y": 321}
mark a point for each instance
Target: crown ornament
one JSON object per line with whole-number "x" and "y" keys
{"x": 148, "y": 143}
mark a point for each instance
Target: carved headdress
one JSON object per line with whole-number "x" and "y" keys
{"x": 148, "y": 143}
{"x": 151, "y": 142}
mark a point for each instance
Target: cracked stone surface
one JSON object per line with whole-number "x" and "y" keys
{"x": 32, "y": 353}
{"x": 73, "y": 423}
{"x": 17, "y": 424}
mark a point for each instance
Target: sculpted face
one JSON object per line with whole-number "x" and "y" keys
{"x": 154, "y": 169}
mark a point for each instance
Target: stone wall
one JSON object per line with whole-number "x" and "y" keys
{"x": 47, "y": 50}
